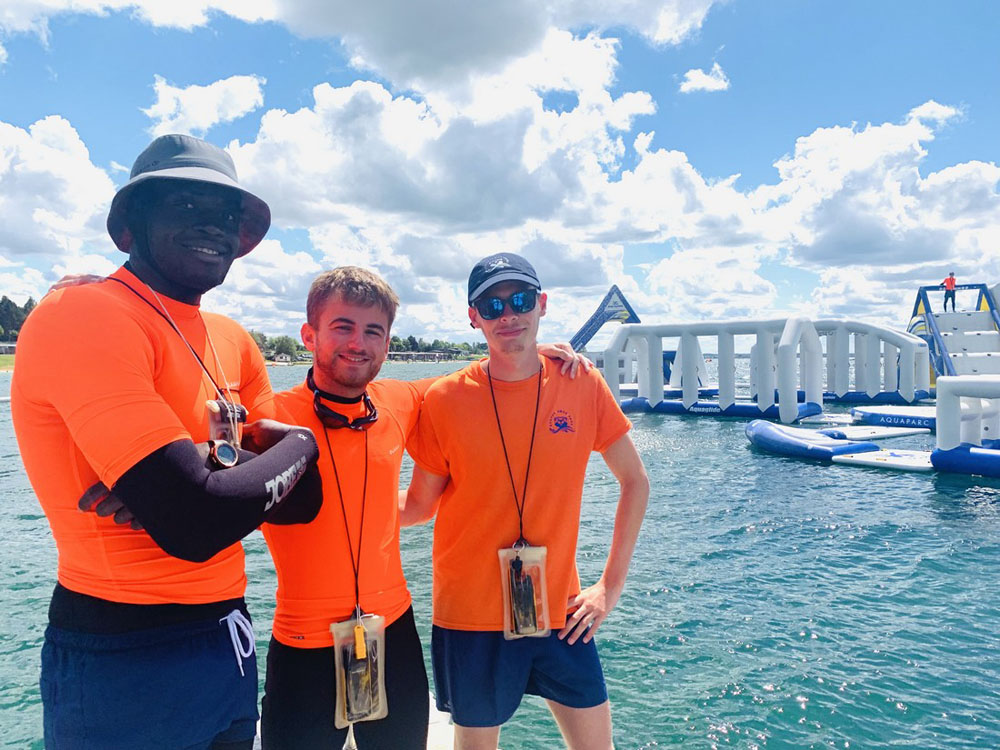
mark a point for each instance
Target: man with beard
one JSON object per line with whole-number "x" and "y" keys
{"x": 126, "y": 384}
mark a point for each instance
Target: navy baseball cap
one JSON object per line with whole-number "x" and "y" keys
{"x": 183, "y": 157}
{"x": 500, "y": 267}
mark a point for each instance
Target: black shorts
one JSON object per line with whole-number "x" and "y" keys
{"x": 300, "y": 695}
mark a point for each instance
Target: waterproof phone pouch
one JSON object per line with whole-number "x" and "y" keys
{"x": 359, "y": 653}
{"x": 224, "y": 420}
{"x": 525, "y": 597}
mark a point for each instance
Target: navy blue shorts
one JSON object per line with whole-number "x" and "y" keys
{"x": 480, "y": 678}
{"x": 170, "y": 687}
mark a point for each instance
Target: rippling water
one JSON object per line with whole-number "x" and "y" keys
{"x": 772, "y": 603}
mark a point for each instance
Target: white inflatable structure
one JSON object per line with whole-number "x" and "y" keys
{"x": 968, "y": 425}
{"x": 787, "y": 365}
{"x": 775, "y": 365}
{"x": 889, "y": 366}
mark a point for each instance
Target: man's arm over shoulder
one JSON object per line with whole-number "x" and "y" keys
{"x": 419, "y": 502}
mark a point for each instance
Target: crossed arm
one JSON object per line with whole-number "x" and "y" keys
{"x": 193, "y": 512}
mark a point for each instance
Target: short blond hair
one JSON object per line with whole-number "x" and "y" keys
{"x": 356, "y": 286}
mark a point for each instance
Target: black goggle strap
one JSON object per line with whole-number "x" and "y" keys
{"x": 334, "y": 419}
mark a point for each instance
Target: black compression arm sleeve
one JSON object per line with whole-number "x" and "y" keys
{"x": 303, "y": 504}
{"x": 193, "y": 513}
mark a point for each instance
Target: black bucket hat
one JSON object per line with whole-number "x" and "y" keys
{"x": 500, "y": 267}
{"x": 183, "y": 157}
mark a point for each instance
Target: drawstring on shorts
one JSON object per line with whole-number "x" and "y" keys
{"x": 238, "y": 623}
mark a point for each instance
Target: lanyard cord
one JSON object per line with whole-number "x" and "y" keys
{"x": 355, "y": 563}
{"x": 166, "y": 316}
{"x": 531, "y": 450}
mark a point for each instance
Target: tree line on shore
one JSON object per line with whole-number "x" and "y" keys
{"x": 271, "y": 346}
{"x": 12, "y": 317}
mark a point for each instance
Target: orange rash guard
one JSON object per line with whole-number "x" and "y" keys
{"x": 313, "y": 561}
{"x": 457, "y": 436}
{"x": 102, "y": 381}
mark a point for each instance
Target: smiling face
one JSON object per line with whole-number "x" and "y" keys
{"x": 349, "y": 344}
{"x": 511, "y": 333}
{"x": 186, "y": 236}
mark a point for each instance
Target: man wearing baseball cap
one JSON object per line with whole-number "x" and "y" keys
{"x": 149, "y": 642}
{"x": 501, "y": 450}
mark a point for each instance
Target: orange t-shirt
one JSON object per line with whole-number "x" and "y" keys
{"x": 457, "y": 436}
{"x": 949, "y": 283}
{"x": 313, "y": 561}
{"x": 101, "y": 382}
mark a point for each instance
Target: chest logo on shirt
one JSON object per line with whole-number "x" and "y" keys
{"x": 560, "y": 421}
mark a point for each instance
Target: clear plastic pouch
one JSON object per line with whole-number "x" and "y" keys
{"x": 525, "y": 597}
{"x": 359, "y": 648}
{"x": 224, "y": 419}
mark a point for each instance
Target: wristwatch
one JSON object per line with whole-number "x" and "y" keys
{"x": 222, "y": 454}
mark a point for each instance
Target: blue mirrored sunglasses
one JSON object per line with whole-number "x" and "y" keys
{"x": 491, "y": 308}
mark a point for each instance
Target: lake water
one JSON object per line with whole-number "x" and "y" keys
{"x": 772, "y": 603}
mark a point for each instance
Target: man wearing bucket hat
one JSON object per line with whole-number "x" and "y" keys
{"x": 149, "y": 642}
{"x": 501, "y": 449}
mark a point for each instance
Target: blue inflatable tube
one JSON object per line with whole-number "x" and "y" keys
{"x": 797, "y": 442}
{"x": 744, "y": 410}
{"x": 968, "y": 459}
{"x": 884, "y": 398}
{"x": 634, "y": 405}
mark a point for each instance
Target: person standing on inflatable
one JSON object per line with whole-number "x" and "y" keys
{"x": 501, "y": 450}
{"x": 126, "y": 384}
{"x": 949, "y": 291}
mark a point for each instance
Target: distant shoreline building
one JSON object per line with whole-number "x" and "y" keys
{"x": 436, "y": 355}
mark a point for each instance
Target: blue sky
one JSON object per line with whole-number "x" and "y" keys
{"x": 715, "y": 159}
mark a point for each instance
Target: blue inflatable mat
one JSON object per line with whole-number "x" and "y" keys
{"x": 896, "y": 416}
{"x": 798, "y": 442}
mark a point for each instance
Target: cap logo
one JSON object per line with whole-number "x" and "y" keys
{"x": 500, "y": 262}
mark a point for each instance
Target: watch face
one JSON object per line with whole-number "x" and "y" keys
{"x": 225, "y": 454}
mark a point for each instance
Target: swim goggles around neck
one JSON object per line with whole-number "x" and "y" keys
{"x": 334, "y": 419}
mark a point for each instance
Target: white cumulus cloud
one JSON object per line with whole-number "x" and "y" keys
{"x": 52, "y": 198}
{"x": 697, "y": 79}
{"x": 32, "y": 16}
{"x": 414, "y": 43}
{"x": 195, "y": 109}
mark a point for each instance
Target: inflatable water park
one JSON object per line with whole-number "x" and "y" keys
{"x": 794, "y": 377}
